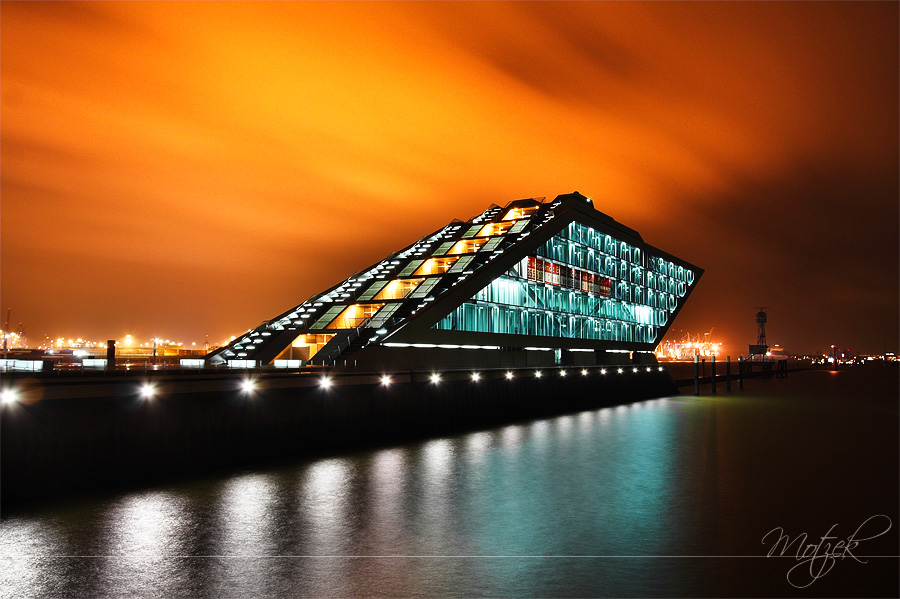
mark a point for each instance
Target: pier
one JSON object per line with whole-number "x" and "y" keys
{"x": 65, "y": 435}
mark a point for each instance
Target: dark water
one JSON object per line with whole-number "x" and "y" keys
{"x": 669, "y": 497}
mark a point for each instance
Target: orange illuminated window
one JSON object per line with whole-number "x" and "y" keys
{"x": 435, "y": 266}
{"x": 398, "y": 289}
{"x": 305, "y": 347}
{"x": 467, "y": 246}
{"x": 517, "y": 213}
{"x": 354, "y": 316}
{"x": 495, "y": 229}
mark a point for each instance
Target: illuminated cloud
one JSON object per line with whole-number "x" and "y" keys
{"x": 198, "y": 167}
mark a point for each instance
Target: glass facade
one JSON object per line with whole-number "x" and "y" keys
{"x": 581, "y": 284}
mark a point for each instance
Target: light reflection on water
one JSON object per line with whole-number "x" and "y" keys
{"x": 671, "y": 476}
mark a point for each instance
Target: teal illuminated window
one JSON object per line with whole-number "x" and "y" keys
{"x": 329, "y": 315}
{"x": 412, "y": 266}
{"x": 426, "y": 286}
{"x": 491, "y": 244}
{"x": 382, "y": 316}
{"x": 519, "y": 226}
{"x": 372, "y": 290}
{"x": 580, "y": 284}
{"x": 460, "y": 264}
{"x": 442, "y": 249}
{"x": 472, "y": 232}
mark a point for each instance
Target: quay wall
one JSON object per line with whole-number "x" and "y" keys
{"x": 66, "y": 436}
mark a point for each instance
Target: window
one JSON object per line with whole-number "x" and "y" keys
{"x": 519, "y": 226}
{"x": 372, "y": 290}
{"x": 442, "y": 249}
{"x": 423, "y": 289}
{"x": 434, "y": 266}
{"x": 382, "y": 316}
{"x": 467, "y": 246}
{"x": 472, "y": 232}
{"x": 410, "y": 268}
{"x": 520, "y": 212}
{"x": 492, "y": 229}
{"x": 397, "y": 289}
{"x": 461, "y": 264}
{"x": 327, "y": 317}
{"x": 354, "y": 316}
{"x": 491, "y": 244}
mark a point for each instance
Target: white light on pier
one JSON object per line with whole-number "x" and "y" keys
{"x": 148, "y": 390}
{"x": 9, "y": 395}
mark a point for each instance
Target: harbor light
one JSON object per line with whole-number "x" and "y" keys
{"x": 9, "y": 395}
{"x": 537, "y": 374}
{"x": 435, "y": 378}
{"x": 148, "y": 390}
{"x": 509, "y": 374}
{"x": 476, "y": 376}
{"x": 385, "y": 380}
{"x": 325, "y": 382}
{"x": 584, "y": 372}
{"x": 248, "y": 386}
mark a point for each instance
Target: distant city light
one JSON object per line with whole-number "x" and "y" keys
{"x": 148, "y": 390}
{"x": 385, "y": 380}
{"x": 248, "y": 386}
{"x": 476, "y": 376}
{"x": 509, "y": 374}
{"x": 435, "y": 378}
{"x": 584, "y": 372}
{"x": 562, "y": 373}
{"x": 325, "y": 382}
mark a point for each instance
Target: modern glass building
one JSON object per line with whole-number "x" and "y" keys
{"x": 531, "y": 283}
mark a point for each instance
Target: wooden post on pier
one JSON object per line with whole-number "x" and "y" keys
{"x": 696, "y": 374}
{"x": 740, "y": 372}
{"x": 714, "y": 374}
{"x": 728, "y": 373}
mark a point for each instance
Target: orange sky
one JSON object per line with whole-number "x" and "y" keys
{"x": 183, "y": 169}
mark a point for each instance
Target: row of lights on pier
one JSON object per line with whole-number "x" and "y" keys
{"x": 148, "y": 391}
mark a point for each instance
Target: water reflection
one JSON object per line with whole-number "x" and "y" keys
{"x": 247, "y": 516}
{"x": 325, "y": 501}
{"x": 661, "y": 477}
{"x": 145, "y": 540}
{"x": 25, "y": 546}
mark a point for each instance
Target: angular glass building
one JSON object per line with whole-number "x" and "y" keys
{"x": 532, "y": 283}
